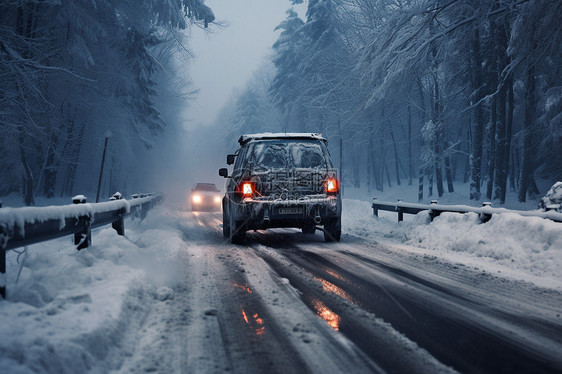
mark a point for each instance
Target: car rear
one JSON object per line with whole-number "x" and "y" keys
{"x": 286, "y": 182}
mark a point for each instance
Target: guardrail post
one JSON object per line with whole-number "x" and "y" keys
{"x": 485, "y": 217}
{"x": 400, "y": 213}
{"x": 118, "y": 225}
{"x": 3, "y": 272}
{"x": 432, "y": 213}
{"x": 375, "y": 209}
{"x": 3, "y": 244}
{"x": 83, "y": 239}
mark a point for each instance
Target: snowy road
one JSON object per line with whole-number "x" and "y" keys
{"x": 288, "y": 302}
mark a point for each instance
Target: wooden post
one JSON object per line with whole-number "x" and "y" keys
{"x": 118, "y": 225}
{"x": 3, "y": 244}
{"x": 432, "y": 213}
{"x": 400, "y": 213}
{"x": 83, "y": 239}
{"x": 483, "y": 216}
{"x": 3, "y": 267}
{"x": 375, "y": 209}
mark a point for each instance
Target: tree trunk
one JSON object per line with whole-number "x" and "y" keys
{"x": 420, "y": 183}
{"x": 422, "y": 166}
{"x": 508, "y": 136}
{"x": 476, "y": 154}
{"x": 501, "y": 164}
{"x": 492, "y": 149}
{"x": 370, "y": 166}
{"x": 438, "y": 136}
{"x": 28, "y": 178}
{"x": 430, "y": 182}
{"x": 382, "y": 168}
{"x": 396, "y": 159}
{"x": 528, "y": 149}
{"x": 50, "y": 169}
{"x": 449, "y": 174}
{"x": 410, "y": 158}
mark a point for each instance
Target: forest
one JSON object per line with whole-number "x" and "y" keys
{"x": 424, "y": 91}
{"x": 74, "y": 73}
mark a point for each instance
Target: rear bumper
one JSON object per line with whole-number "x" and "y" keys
{"x": 263, "y": 214}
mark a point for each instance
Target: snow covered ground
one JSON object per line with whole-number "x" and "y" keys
{"x": 68, "y": 310}
{"x": 524, "y": 248}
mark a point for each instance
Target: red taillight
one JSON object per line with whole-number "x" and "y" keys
{"x": 332, "y": 186}
{"x": 247, "y": 189}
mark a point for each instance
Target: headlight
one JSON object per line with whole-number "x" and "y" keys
{"x": 196, "y": 199}
{"x": 217, "y": 199}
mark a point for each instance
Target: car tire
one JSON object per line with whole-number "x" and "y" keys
{"x": 237, "y": 230}
{"x": 225, "y": 221}
{"x": 332, "y": 230}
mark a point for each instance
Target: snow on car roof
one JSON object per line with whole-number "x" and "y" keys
{"x": 281, "y": 135}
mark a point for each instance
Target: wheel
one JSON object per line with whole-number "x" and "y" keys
{"x": 225, "y": 222}
{"x": 309, "y": 228}
{"x": 237, "y": 230}
{"x": 332, "y": 230}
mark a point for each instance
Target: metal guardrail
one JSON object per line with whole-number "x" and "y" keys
{"x": 29, "y": 225}
{"x": 434, "y": 210}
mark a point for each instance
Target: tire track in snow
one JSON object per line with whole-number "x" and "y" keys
{"x": 232, "y": 331}
{"x": 468, "y": 335}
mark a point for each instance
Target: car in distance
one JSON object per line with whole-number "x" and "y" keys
{"x": 206, "y": 197}
{"x": 281, "y": 180}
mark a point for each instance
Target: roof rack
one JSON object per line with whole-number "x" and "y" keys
{"x": 269, "y": 135}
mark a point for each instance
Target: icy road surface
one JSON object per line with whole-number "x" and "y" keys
{"x": 288, "y": 302}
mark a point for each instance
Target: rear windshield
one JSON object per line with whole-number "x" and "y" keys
{"x": 287, "y": 154}
{"x": 205, "y": 187}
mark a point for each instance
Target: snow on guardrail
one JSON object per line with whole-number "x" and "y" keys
{"x": 485, "y": 212}
{"x": 29, "y": 225}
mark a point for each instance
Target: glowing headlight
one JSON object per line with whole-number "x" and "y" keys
{"x": 196, "y": 198}
{"x": 217, "y": 199}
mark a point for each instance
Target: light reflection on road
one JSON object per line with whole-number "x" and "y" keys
{"x": 242, "y": 287}
{"x": 335, "y": 275}
{"x": 327, "y": 314}
{"x": 330, "y": 287}
{"x": 255, "y": 323}
{"x": 253, "y": 320}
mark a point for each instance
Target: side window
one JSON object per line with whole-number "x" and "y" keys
{"x": 240, "y": 159}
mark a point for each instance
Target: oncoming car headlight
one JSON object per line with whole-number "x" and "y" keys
{"x": 196, "y": 199}
{"x": 217, "y": 199}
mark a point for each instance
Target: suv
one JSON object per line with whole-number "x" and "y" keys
{"x": 281, "y": 180}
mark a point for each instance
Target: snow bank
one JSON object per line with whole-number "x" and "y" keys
{"x": 553, "y": 198}
{"x": 527, "y": 248}
{"x": 70, "y": 308}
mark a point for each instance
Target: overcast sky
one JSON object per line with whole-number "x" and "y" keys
{"x": 226, "y": 58}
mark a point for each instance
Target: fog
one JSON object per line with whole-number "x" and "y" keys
{"x": 407, "y": 94}
{"x": 225, "y": 58}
